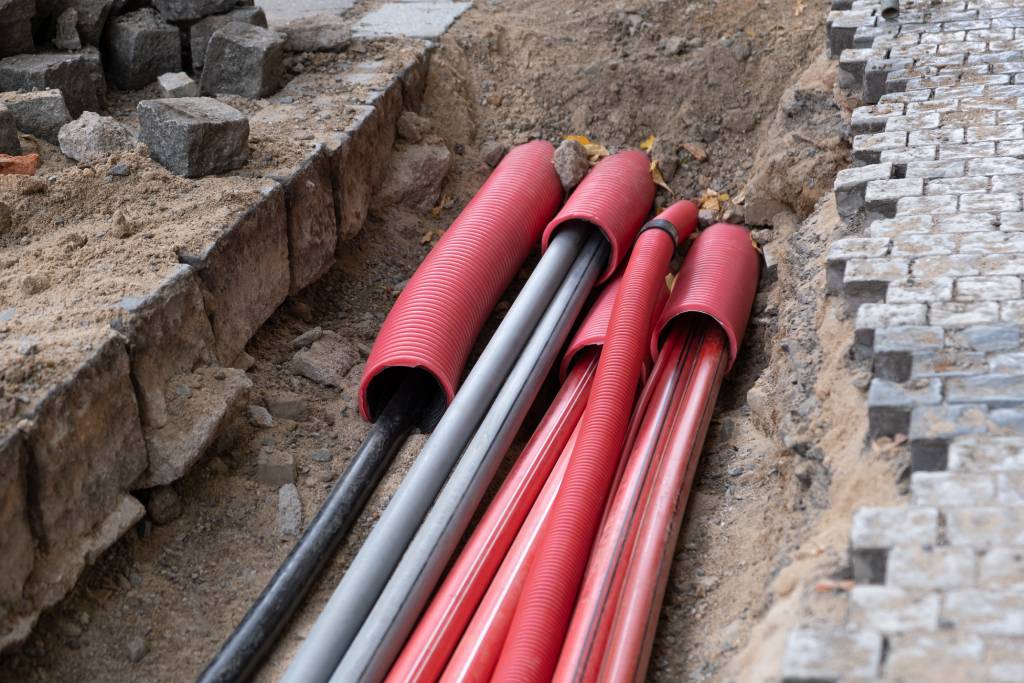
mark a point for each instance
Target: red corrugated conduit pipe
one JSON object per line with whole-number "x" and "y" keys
{"x": 711, "y": 303}
{"x": 539, "y": 625}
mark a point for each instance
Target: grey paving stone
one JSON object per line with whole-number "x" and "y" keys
{"x": 895, "y": 346}
{"x": 992, "y": 612}
{"x": 39, "y": 112}
{"x": 932, "y": 428}
{"x": 915, "y": 567}
{"x": 948, "y": 489}
{"x": 282, "y": 12}
{"x": 428, "y": 19}
{"x": 1002, "y": 568}
{"x": 138, "y": 47}
{"x": 78, "y": 76}
{"x": 894, "y": 610}
{"x": 178, "y": 84}
{"x": 986, "y": 338}
{"x": 876, "y": 529}
{"x": 244, "y": 60}
{"x": 984, "y": 527}
{"x": 200, "y": 32}
{"x": 987, "y": 454}
{"x": 959, "y": 314}
{"x": 920, "y": 290}
{"x": 995, "y": 390}
{"x": 191, "y": 10}
{"x": 16, "y": 26}
{"x": 850, "y": 184}
{"x": 194, "y": 136}
{"x": 92, "y": 19}
{"x": 890, "y": 404}
{"x": 92, "y": 138}
{"x": 815, "y": 656}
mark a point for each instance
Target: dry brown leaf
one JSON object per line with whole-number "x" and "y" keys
{"x": 659, "y": 179}
{"x": 446, "y": 202}
{"x": 595, "y": 151}
{"x": 711, "y": 201}
{"x": 427, "y": 237}
{"x": 696, "y": 151}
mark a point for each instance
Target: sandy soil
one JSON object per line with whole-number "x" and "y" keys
{"x": 719, "y": 84}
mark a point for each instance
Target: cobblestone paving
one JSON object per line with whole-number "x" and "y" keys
{"x": 935, "y": 284}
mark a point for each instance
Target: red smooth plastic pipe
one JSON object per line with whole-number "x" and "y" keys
{"x": 427, "y": 651}
{"x": 542, "y": 616}
{"x": 477, "y": 653}
{"x": 436, "y": 319}
{"x": 631, "y": 633}
{"x": 585, "y": 642}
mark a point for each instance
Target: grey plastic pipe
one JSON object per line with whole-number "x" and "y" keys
{"x": 370, "y": 569}
{"x": 890, "y": 9}
{"x": 386, "y": 628}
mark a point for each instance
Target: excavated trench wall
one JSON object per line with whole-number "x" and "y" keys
{"x": 69, "y": 466}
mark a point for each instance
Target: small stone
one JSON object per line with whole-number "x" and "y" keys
{"x": 177, "y": 132}
{"x": 673, "y": 45}
{"x": 260, "y": 417}
{"x": 178, "y": 84}
{"x": 67, "y": 31}
{"x": 121, "y": 227}
{"x": 327, "y": 361}
{"x": 119, "y": 170}
{"x": 136, "y": 648}
{"x": 41, "y": 113}
{"x": 164, "y": 505}
{"x": 289, "y": 510}
{"x": 415, "y": 176}
{"x": 138, "y": 47}
{"x": 307, "y": 338}
{"x": 244, "y": 60}
{"x": 571, "y": 164}
{"x": 492, "y": 153}
{"x": 92, "y": 138}
{"x": 34, "y": 284}
{"x": 318, "y": 33}
{"x": 735, "y": 471}
{"x": 412, "y": 126}
{"x": 322, "y": 456}
{"x": 288, "y": 407}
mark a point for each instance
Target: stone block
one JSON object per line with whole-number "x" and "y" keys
{"x": 868, "y": 148}
{"x": 948, "y": 489}
{"x": 78, "y": 76}
{"x": 988, "y": 288}
{"x": 201, "y": 31}
{"x": 9, "y": 142}
{"x": 958, "y": 314}
{"x": 92, "y": 19}
{"x": 818, "y": 656}
{"x": 875, "y": 530}
{"x": 842, "y": 250}
{"x": 893, "y": 610}
{"x": 872, "y": 118}
{"x": 1002, "y": 568}
{"x": 881, "y": 196}
{"x": 312, "y": 231}
{"x": 985, "y": 527}
{"x": 16, "y": 26}
{"x": 245, "y": 274}
{"x": 16, "y": 560}
{"x": 243, "y": 60}
{"x": 282, "y": 12}
{"x": 40, "y": 112}
{"x": 319, "y": 33}
{"x": 194, "y": 136}
{"x": 866, "y": 280}
{"x": 168, "y": 334}
{"x": 92, "y": 138}
{"x": 986, "y": 612}
{"x": 178, "y": 84}
{"x": 191, "y": 10}
{"x": 895, "y": 346}
{"x": 890, "y": 404}
{"x": 138, "y": 47}
{"x": 196, "y": 418}
{"x": 944, "y": 168}
{"x": 87, "y": 447}
{"x": 987, "y": 454}
{"x": 935, "y": 658}
{"x": 850, "y": 184}
{"x": 429, "y": 19}
{"x": 986, "y": 338}
{"x": 359, "y": 159}
{"x": 996, "y": 391}
{"x": 932, "y": 428}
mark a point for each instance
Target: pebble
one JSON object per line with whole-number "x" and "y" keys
{"x": 571, "y": 163}
{"x": 492, "y": 153}
{"x": 119, "y": 170}
{"x": 164, "y": 505}
{"x": 735, "y": 471}
{"x": 136, "y": 648}
{"x": 289, "y": 510}
{"x": 307, "y": 338}
{"x": 260, "y": 417}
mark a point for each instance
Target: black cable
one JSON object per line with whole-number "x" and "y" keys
{"x": 252, "y": 640}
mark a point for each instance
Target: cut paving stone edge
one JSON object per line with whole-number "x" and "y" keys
{"x": 113, "y": 426}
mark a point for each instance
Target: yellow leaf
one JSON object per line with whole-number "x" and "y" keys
{"x": 670, "y": 280}
{"x": 723, "y": 196}
{"x": 648, "y": 144}
{"x": 582, "y": 139}
{"x": 659, "y": 179}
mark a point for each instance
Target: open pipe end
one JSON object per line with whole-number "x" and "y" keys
{"x": 890, "y": 9}
{"x": 378, "y": 390}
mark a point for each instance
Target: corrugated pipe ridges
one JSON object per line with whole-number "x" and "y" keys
{"x": 542, "y": 616}
{"x": 437, "y": 317}
{"x": 615, "y": 198}
{"x": 719, "y": 278}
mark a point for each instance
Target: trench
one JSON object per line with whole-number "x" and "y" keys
{"x": 719, "y": 84}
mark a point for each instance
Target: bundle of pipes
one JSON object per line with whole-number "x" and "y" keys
{"x": 373, "y": 608}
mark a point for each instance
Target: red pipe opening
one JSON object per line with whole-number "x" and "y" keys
{"x": 436, "y": 319}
